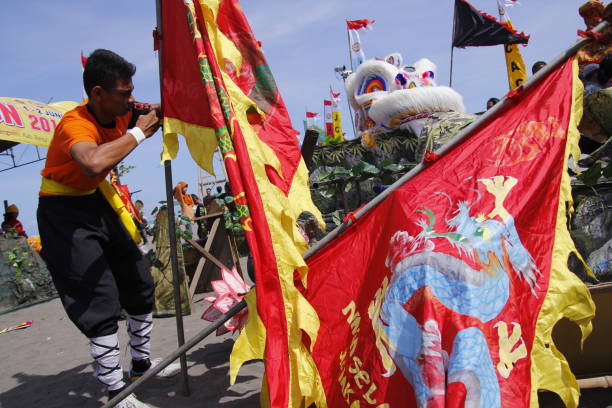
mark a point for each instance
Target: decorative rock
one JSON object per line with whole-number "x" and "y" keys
{"x": 600, "y": 262}
{"x": 591, "y": 224}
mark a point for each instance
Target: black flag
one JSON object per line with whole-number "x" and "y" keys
{"x": 474, "y": 28}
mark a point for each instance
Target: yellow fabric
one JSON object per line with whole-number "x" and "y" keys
{"x": 337, "y": 121}
{"x": 567, "y": 296}
{"x": 517, "y": 73}
{"x": 281, "y": 214}
{"x": 251, "y": 345}
{"x": 51, "y": 187}
{"x": 201, "y": 142}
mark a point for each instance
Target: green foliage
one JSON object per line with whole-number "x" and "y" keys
{"x": 337, "y": 217}
{"x": 364, "y": 168}
{"x": 590, "y": 177}
{"x": 19, "y": 258}
{"x": 232, "y": 222}
{"x": 123, "y": 169}
{"x": 390, "y": 165}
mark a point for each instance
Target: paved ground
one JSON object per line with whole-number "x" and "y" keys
{"x": 48, "y": 365}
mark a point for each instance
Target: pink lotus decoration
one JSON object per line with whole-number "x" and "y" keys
{"x": 229, "y": 291}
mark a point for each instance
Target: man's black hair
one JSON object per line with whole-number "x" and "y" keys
{"x": 138, "y": 201}
{"x": 493, "y": 100}
{"x": 219, "y": 189}
{"x": 104, "y": 68}
{"x": 537, "y": 66}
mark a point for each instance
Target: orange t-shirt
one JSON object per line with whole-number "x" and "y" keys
{"x": 78, "y": 125}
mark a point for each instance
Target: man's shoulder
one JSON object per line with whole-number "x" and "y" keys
{"x": 78, "y": 114}
{"x": 76, "y": 121}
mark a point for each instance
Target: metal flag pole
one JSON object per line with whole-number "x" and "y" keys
{"x": 348, "y": 37}
{"x": 210, "y": 329}
{"x": 172, "y": 228}
{"x": 450, "y": 80}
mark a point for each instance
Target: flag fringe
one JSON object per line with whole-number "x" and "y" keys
{"x": 567, "y": 296}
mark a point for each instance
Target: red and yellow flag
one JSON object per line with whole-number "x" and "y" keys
{"x": 446, "y": 293}
{"x": 218, "y": 90}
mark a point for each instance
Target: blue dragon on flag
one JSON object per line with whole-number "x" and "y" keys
{"x": 491, "y": 243}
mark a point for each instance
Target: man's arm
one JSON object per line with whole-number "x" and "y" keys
{"x": 98, "y": 159}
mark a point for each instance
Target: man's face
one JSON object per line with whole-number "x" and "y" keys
{"x": 208, "y": 191}
{"x": 118, "y": 100}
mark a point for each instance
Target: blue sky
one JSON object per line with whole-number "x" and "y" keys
{"x": 303, "y": 41}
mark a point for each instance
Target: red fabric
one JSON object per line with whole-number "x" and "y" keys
{"x": 589, "y": 34}
{"x": 351, "y": 215}
{"x": 124, "y": 193}
{"x": 515, "y": 92}
{"x": 357, "y": 24}
{"x": 311, "y": 114}
{"x": 430, "y": 157}
{"x": 526, "y": 142}
{"x": 16, "y": 225}
{"x": 333, "y": 94}
{"x": 83, "y": 60}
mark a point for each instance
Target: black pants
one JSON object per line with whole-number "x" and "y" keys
{"x": 96, "y": 267}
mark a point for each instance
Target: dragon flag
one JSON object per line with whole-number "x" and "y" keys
{"x": 218, "y": 89}
{"x": 517, "y": 74}
{"x": 446, "y": 293}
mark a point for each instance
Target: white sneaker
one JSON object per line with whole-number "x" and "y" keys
{"x": 170, "y": 371}
{"x": 131, "y": 402}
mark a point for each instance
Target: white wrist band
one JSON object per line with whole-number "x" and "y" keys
{"x": 138, "y": 134}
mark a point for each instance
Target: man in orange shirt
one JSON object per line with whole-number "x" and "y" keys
{"x": 95, "y": 264}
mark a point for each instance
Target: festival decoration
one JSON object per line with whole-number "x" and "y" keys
{"x": 517, "y": 73}
{"x": 227, "y": 97}
{"x": 594, "y": 12}
{"x": 387, "y": 95}
{"x": 31, "y": 122}
{"x": 229, "y": 292}
{"x": 446, "y": 293}
{"x": 475, "y": 28}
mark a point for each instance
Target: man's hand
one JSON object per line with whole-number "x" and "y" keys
{"x": 149, "y": 123}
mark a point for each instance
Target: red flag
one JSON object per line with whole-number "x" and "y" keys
{"x": 448, "y": 289}
{"x": 83, "y": 60}
{"x": 358, "y": 24}
{"x": 217, "y": 89}
{"x": 311, "y": 114}
{"x": 333, "y": 94}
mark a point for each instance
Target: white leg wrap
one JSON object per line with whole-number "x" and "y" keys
{"x": 139, "y": 328}
{"x": 105, "y": 351}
